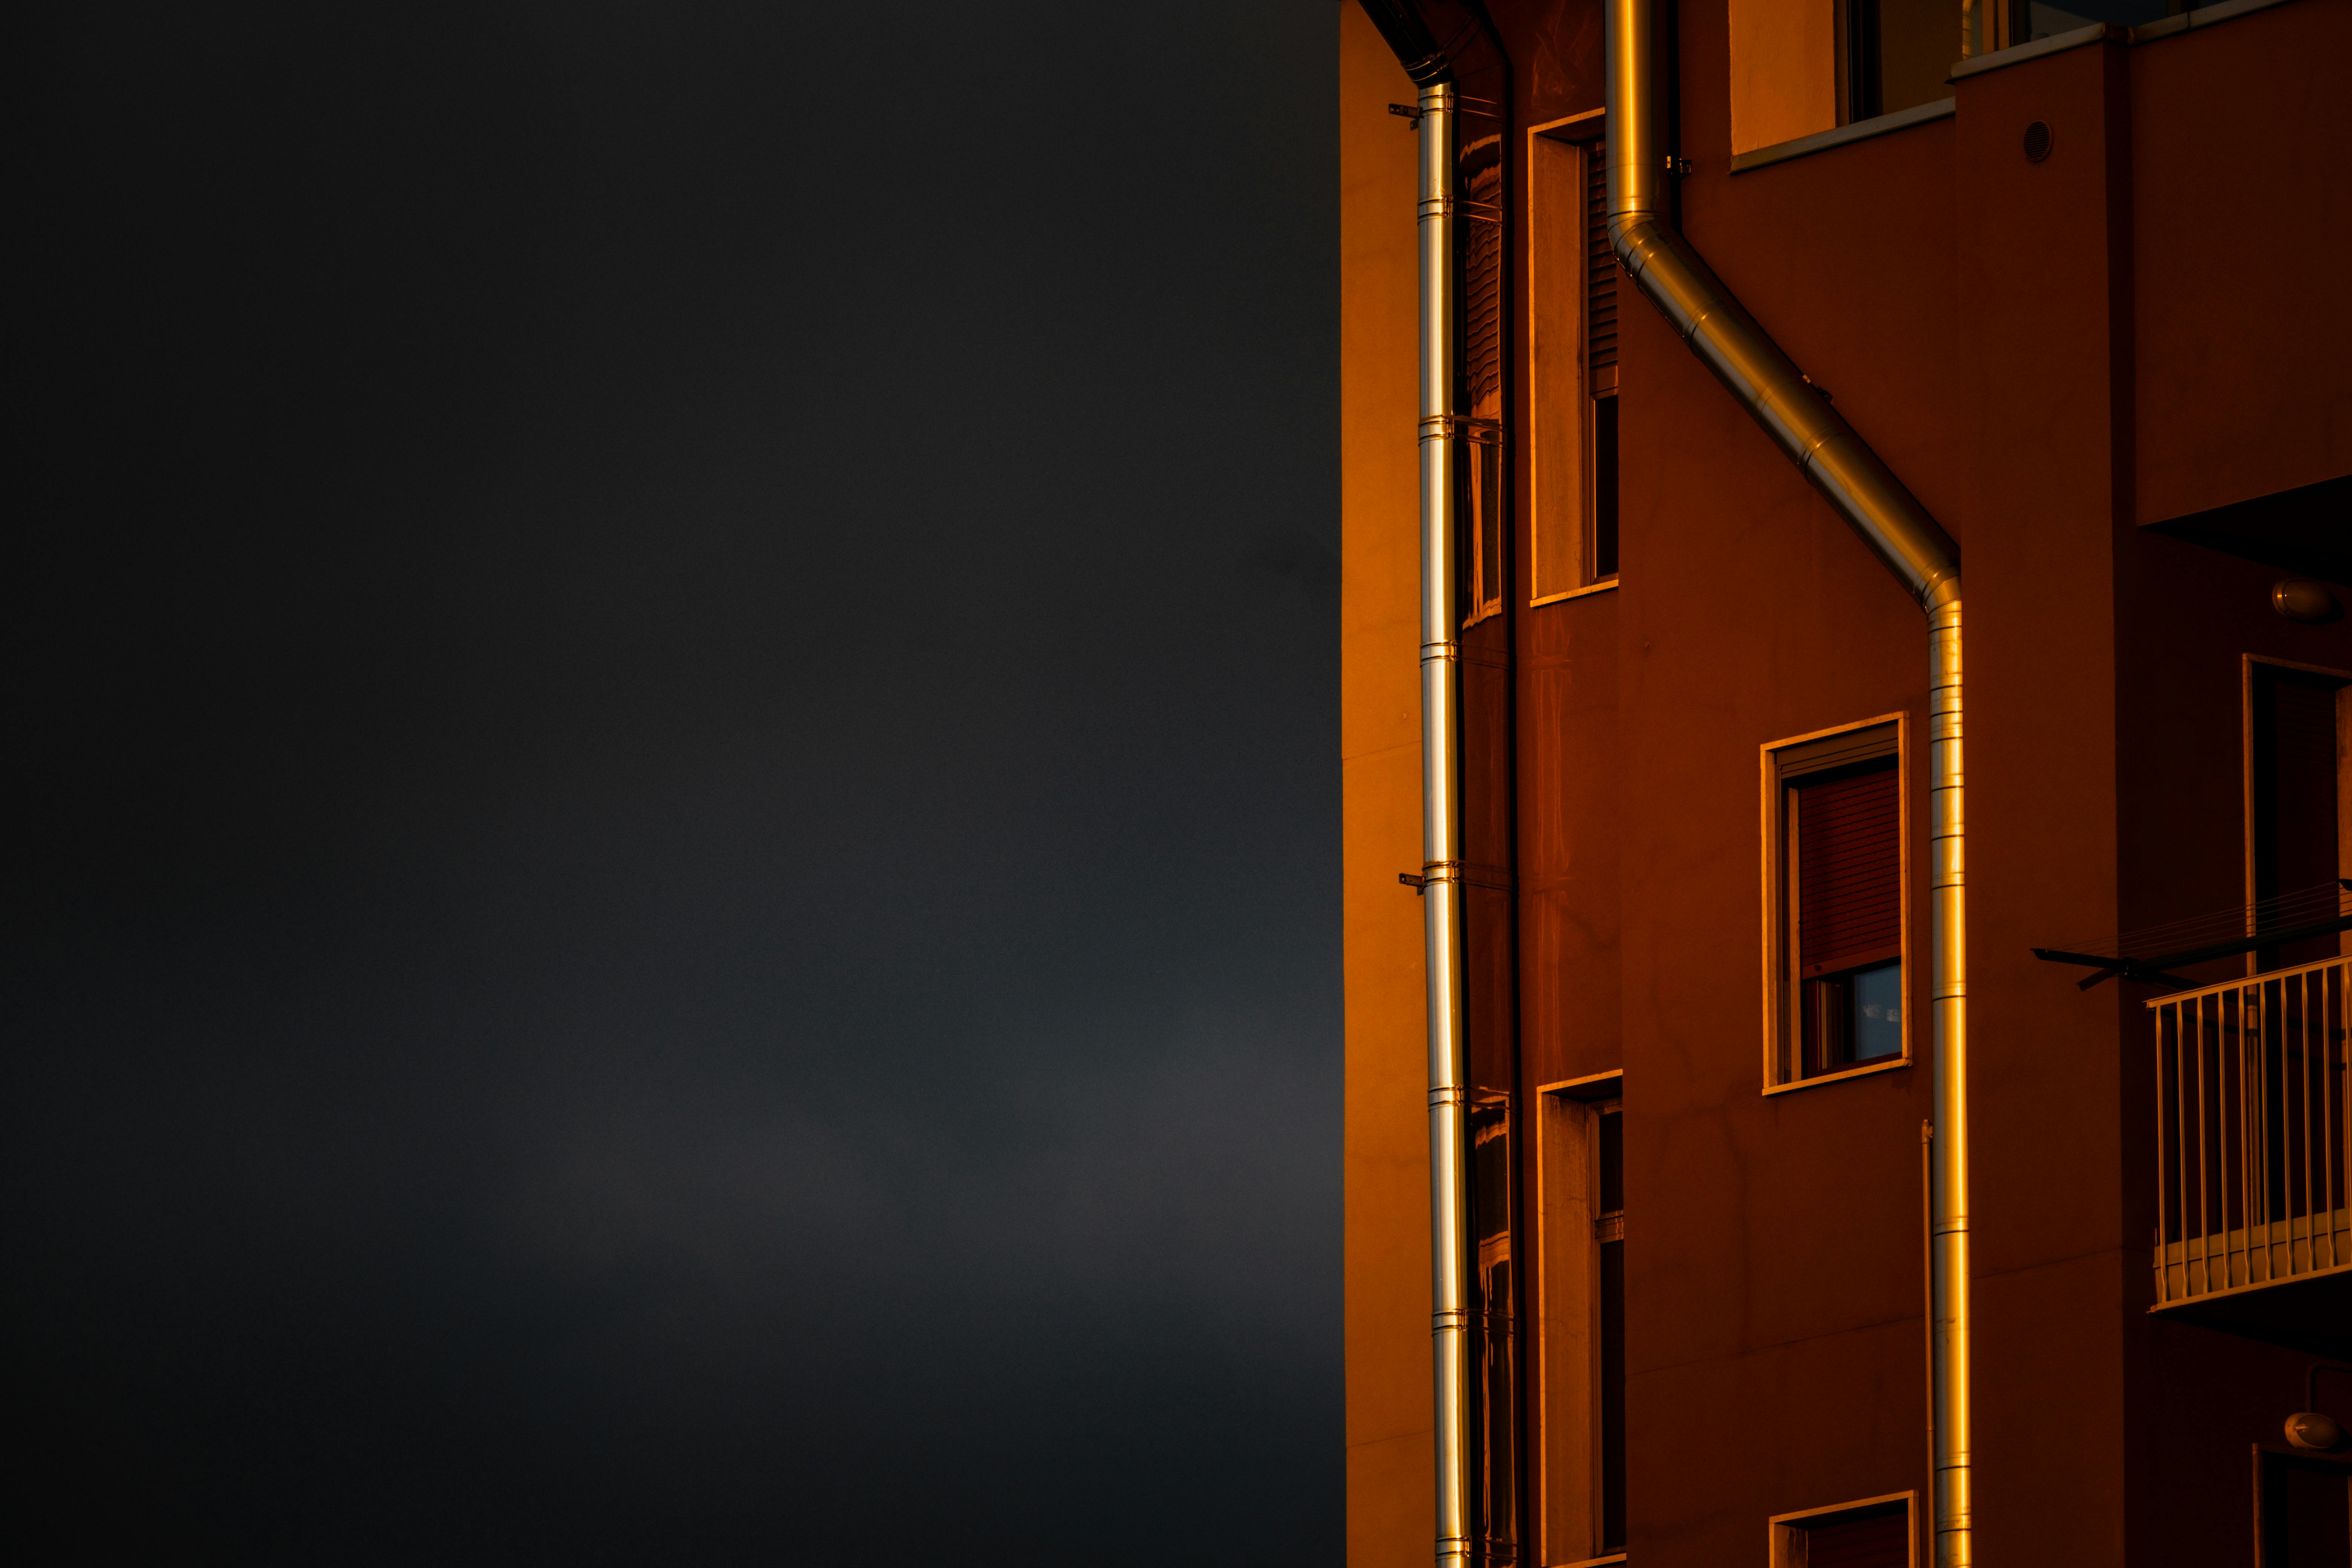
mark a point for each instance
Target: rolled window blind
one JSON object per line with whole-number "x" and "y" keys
{"x": 1600, "y": 271}
{"x": 1849, "y": 869}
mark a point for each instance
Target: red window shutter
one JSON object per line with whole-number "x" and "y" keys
{"x": 1881, "y": 1541}
{"x": 1849, "y": 871}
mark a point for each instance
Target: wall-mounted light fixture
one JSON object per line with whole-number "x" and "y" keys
{"x": 2309, "y": 1428}
{"x": 2301, "y": 599}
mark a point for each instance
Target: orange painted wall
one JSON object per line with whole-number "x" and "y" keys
{"x": 2241, "y": 219}
{"x": 2049, "y": 354}
{"x": 1783, "y": 79}
{"x": 1390, "y": 1517}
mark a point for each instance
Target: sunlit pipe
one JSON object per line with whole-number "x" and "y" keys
{"x": 1897, "y": 529}
{"x": 1438, "y": 127}
{"x": 1441, "y": 817}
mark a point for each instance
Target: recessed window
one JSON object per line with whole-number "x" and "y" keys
{"x": 1493, "y": 1291}
{"x": 1835, "y": 986}
{"x": 2296, "y": 726}
{"x": 1572, "y": 279}
{"x": 1894, "y": 54}
{"x": 2030, "y": 19}
{"x": 1485, "y": 527}
{"x": 1799, "y": 66}
{"x": 1579, "y": 1508}
{"x": 2302, "y": 1509}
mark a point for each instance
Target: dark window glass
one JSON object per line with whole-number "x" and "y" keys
{"x": 1488, "y": 458}
{"x": 1613, "y": 1331}
{"x": 1495, "y": 1350}
{"x": 1854, "y": 1017}
{"x": 2041, "y": 21}
{"x": 2295, "y": 768}
{"x": 1604, "y": 489}
{"x": 1612, "y": 1163}
{"x": 2306, "y": 1516}
{"x": 1875, "y": 1541}
{"x": 1847, "y": 862}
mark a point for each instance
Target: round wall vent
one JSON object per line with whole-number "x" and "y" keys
{"x": 2037, "y": 142}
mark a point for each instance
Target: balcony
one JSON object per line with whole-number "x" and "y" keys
{"x": 2253, "y": 1125}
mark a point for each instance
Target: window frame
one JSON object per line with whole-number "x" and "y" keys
{"x": 1577, "y": 133}
{"x": 1484, "y": 509}
{"x": 1783, "y": 1529}
{"x": 1498, "y": 1444}
{"x": 1783, "y": 1027}
{"x": 1565, "y": 1366}
{"x": 2251, "y": 805}
{"x": 2269, "y": 1461}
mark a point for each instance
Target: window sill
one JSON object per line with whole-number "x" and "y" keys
{"x": 1838, "y": 136}
{"x": 1585, "y": 592}
{"x": 2098, "y": 32}
{"x": 2018, "y": 53}
{"x": 2015, "y": 55}
{"x": 1865, "y": 1071}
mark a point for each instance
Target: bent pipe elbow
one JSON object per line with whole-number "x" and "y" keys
{"x": 1410, "y": 39}
{"x": 1838, "y": 463}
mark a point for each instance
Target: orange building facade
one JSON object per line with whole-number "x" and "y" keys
{"x": 2078, "y": 282}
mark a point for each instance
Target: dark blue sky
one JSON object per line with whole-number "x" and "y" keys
{"x": 675, "y": 889}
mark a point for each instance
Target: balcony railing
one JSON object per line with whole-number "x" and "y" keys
{"x": 2254, "y": 1123}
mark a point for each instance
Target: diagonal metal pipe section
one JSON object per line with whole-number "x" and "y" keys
{"x": 1922, "y": 556}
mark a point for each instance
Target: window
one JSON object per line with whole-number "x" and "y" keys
{"x": 1799, "y": 66}
{"x": 1580, "y": 1509}
{"x": 2023, "y": 21}
{"x": 1493, "y": 1290}
{"x": 1572, "y": 276}
{"x": 1876, "y": 1532}
{"x": 1486, "y": 528}
{"x": 1834, "y": 875}
{"x": 2303, "y": 1510}
{"x": 2296, "y": 730}
{"x": 1894, "y": 54}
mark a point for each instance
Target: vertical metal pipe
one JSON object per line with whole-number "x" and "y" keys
{"x": 1909, "y": 543}
{"x": 1949, "y": 1189}
{"x": 1441, "y": 821}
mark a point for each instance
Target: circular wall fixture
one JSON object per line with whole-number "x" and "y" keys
{"x": 2310, "y": 1430}
{"x": 2301, "y": 599}
{"x": 2037, "y": 142}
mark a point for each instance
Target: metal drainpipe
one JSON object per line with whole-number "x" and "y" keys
{"x": 1437, "y": 129}
{"x": 1441, "y": 824}
{"x": 1923, "y": 557}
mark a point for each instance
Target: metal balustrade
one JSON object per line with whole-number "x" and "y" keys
{"x": 2254, "y": 1123}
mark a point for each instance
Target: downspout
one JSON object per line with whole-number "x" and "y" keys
{"x": 1438, "y": 132}
{"x": 1443, "y": 917}
{"x": 1897, "y": 529}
